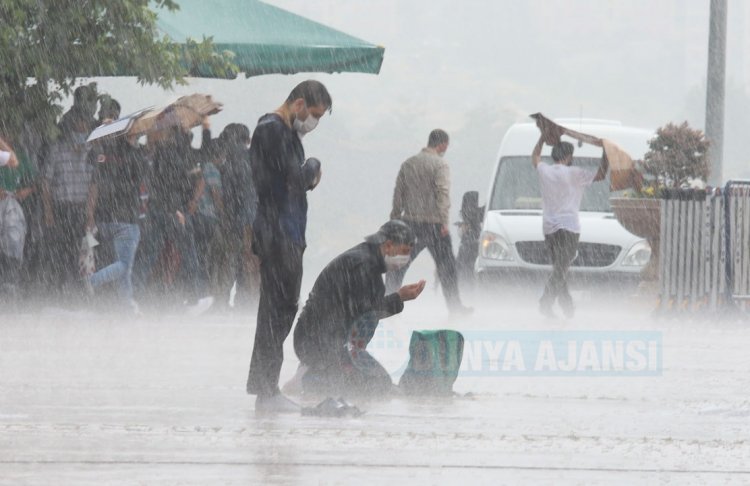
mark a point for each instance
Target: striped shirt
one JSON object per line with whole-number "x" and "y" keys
{"x": 68, "y": 172}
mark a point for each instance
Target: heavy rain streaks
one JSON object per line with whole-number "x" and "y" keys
{"x": 174, "y": 206}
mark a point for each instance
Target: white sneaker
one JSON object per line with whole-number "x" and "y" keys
{"x": 275, "y": 404}
{"x": 200, "y": 307}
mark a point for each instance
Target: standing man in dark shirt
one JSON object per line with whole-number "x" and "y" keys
{"x": 282, "y": 178}
{"x": 344, "y": 309}
{"x": 113, "y": 207}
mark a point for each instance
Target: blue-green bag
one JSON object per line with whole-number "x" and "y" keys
{"x": 434, "y": 362}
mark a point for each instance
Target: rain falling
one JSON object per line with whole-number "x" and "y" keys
{"x": 331, "y": 242}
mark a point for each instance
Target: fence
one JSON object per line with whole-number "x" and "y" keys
{"x": 705, "y": 248}
{"x": 737, "y": 223}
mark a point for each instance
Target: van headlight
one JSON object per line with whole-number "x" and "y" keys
{"x": 638, "y": 255}
{"x": 494, "y": 247}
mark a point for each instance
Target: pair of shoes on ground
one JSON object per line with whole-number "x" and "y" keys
{"x": 332, "y": 407}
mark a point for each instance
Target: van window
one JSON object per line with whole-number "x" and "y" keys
{"x": 517, "y": 185}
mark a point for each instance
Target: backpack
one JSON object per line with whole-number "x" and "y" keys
{"x": 434, "y": 362}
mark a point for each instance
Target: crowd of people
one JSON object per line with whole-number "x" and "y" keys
{"x": 189, "y": 224}
{"x": 172, "y": 223}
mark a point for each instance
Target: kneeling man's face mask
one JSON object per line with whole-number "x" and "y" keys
{"x": 396, "y": 262}
{"x": 396, "y": 256}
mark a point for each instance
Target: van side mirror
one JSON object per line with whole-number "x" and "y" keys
{"x": 471, "y": 213}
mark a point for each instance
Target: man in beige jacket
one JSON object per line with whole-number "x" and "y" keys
{"x": 422, "y": 200}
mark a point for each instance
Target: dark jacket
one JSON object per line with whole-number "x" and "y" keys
{"x": 118, "y": 172}
{"x": 276, "y": 158}
{"x": 175, "y": 172}
{"x": 240, "y": 198}
{"x": 350, "y": 286}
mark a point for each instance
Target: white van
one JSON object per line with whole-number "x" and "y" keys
{"x": 512, "y": 242}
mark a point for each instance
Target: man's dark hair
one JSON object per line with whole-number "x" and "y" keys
{"x": 313, "y": 92}
{"x": 437, "y": 137}
{"x": 108, "y": 108}
{"x": 235, "y": 133}
{"x": 85, "y": 94}
{"x": 561, "y": 151}
{"x": 394, "y": 230}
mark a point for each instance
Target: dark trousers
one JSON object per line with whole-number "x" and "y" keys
{"x": 62, "y": 249}
{"x": 10, "y": 275}
{"x": 562, "y": 246}
{"x": 204, "y": 231}
{"x": 429, "y": 236}
{"x": 165, "y": 226}
{"x": 337, "y": 367}
{"x": 360, "y": 376}
{"x": 280, "y": 281}
{"x": 244, "y": 268}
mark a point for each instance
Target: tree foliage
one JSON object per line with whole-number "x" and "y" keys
{"x": 46, "y": 45}
{"x": 677, "y": 154}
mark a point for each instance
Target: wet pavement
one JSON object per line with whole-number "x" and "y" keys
{"x": 88, "y": 399}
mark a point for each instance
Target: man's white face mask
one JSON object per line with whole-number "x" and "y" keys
{"x": 396, "y": 262}
{"x": 305, "y": 127}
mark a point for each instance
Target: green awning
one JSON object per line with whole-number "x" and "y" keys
{"x": 268, "y": 40}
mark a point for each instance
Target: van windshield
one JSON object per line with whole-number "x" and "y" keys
{"x": 517, "y": 185}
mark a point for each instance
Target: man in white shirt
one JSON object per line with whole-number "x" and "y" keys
{"x": 562, "y": 187}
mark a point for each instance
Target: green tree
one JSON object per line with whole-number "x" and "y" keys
{"x": 45, "y": 45}
{"x": 676, "y": 155}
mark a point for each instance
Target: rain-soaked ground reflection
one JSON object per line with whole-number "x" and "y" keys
{"x": 87, "y": 399}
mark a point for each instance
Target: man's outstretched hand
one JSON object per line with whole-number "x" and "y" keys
{"x": 411, "y": 292}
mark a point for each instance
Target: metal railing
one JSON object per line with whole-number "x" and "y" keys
{"x": 737, "y": 224}
{"x": 691, "y": 269}
{"x": 705, "y": 249}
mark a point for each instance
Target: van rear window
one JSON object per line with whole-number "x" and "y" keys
{"x": 517, "y": 185}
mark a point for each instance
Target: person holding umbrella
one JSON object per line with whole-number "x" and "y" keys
{"x": 176, "y": 186}
{"x": 282, "y": 178}
{"x": 112, "y": 209}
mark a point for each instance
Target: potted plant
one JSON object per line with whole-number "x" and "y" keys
{"x": 677, "y": 158}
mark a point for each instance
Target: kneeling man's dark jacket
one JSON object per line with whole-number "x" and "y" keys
{"x": 348, "y": 287}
